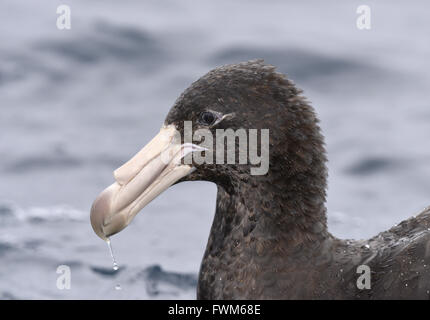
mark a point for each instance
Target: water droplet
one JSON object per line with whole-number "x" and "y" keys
{"x": 115, "y": 266}
{"x": 114, "y": 263}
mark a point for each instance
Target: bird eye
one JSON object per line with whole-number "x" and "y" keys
{"x": 207, "y": 118}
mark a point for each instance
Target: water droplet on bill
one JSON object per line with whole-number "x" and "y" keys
{"x": 115, "y": 266}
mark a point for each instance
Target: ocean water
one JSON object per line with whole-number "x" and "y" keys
{"x": 76, "y": 104}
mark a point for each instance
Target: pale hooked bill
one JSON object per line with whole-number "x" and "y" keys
{"x": 141, "y": 179}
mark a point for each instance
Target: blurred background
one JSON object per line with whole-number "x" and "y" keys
{"x": 75, "y": 104}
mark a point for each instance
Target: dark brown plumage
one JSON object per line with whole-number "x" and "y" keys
{"x": 269, "y": 238}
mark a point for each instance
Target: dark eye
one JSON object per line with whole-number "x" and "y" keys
{"x": 207, "y": 118}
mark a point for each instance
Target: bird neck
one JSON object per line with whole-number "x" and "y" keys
{"x": 288, "y": 210}
{"x": 250, "y": 233}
